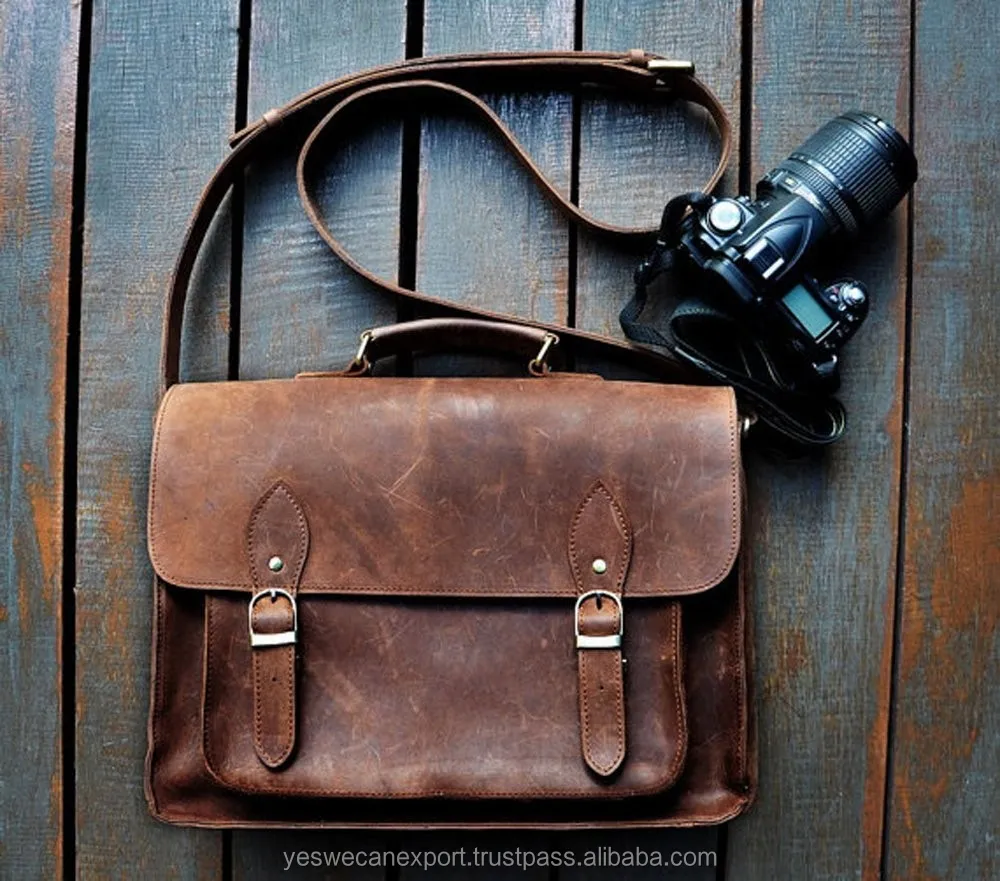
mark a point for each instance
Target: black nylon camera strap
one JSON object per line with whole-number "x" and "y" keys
{"x": 445, "y": 81}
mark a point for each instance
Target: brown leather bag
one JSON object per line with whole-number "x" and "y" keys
{"x": 448, "y": 602}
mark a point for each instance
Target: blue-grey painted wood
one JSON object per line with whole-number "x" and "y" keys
{"x": 486, "y": 236}
{"x": 824, "y": 532}
{"x": 301, "y": 309}
{"x": 38, "y": 70}
{"x": 162, "y": 99}
{"x": 633, "y": 159}
{"x": 944, "y": 819}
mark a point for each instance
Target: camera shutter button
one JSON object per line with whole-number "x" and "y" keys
{"x": 725, "y": 216}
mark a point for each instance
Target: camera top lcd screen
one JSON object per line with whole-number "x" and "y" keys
{"x": 804, "y": 308}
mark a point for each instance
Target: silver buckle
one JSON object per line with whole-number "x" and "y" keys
{"x": 288, "y": 637}
{"x": 614, "y": 641}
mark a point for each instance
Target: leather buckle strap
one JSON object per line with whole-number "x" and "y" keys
{"x": 277, "y": 544}
{"x": 283, "y": 637}
{"x": 601, "y": 673}
{"x": 600, "y": 550}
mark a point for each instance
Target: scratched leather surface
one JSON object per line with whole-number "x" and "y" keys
{"x": 436, "y": 672}
{"x": 445, "y": 485}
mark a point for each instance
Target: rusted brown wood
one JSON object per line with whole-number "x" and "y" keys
{"x": 38, "y": 71}
{"x": 824, "y": 532}
{"x": 162, "y": 99}
{"x": 944, "y": 819}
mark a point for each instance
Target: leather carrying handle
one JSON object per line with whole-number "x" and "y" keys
{"x": 450, "y": 77}
{"x": 427, "y": 335}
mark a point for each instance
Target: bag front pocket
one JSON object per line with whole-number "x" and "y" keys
{"x": 424, "y": 699}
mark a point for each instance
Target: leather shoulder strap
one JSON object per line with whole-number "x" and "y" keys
{"x": 436, "y": 79}
{"x": 317, "y": 117}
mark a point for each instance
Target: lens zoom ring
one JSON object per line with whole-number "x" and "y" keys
{"x": 862, "y": 170}
{"x": 852, "y": 169}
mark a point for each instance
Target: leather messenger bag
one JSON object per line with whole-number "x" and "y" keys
{"x": 448, "y": 602}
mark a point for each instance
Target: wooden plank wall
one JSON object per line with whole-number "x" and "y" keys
{"x": 300, "y": 307}
{"x": 162, "y": 98}
{"x": 38, "y": 76}
{"x": 944, "y": 815}
{"x": 824, "y": 531}
{"x": 876, "y": 566}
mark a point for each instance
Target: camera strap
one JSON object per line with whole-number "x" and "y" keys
{"x": 331, "y": 112}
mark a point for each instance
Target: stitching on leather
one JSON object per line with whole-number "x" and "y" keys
{"x": 739, "y": 681}
{"x": 585, "y": 707}
{"x": 624, "y": 555}
{"x": 258, "y": 700}
{"x": 678, "y": 672}
{"x": 157, "y": 708}
{"x": 206, "y": 702}
{"x": 153, "y": 481}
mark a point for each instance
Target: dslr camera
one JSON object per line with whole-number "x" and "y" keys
{"x": 751, "y": 258}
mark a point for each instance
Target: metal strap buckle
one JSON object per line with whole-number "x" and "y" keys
{"x": 614, "y": 640}
{"x": 288, "y": 637}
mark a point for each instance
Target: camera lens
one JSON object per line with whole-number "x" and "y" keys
{"x": 857, "y": 166}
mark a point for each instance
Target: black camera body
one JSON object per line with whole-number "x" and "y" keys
{"x": 751, "y": 258}
{"x": 755, "y": 248}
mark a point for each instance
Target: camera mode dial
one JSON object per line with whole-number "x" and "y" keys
{"x": 725, "y": 216}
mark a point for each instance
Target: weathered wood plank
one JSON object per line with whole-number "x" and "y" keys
{"x": 486, "y": 236}
{"x": 38, "y": 70}
{"x": 301, "y": 308}
{"x": 632, "y": 160}
{"x": 944, "y": 818}
{"x": 824, "y": 532}
{"x": 162, "y": 99}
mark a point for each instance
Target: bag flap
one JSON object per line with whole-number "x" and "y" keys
{"x": 458, "y": 487}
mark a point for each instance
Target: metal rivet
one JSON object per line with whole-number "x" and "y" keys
{"x": 275, "y": 564}
{"x": 599, "y": 566}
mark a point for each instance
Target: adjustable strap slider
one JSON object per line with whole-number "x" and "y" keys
{"x": 670, "y": 65}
